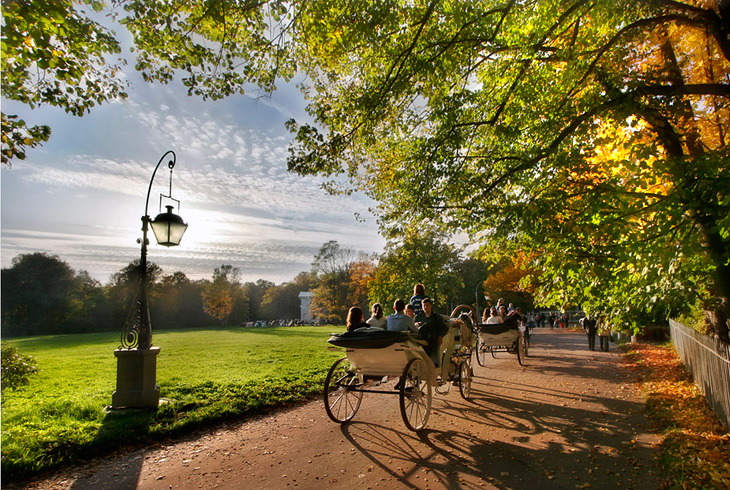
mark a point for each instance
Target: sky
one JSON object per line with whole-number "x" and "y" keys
{"x": 81, "y": 196}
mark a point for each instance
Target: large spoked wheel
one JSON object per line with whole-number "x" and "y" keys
{"x": 465, "y": 379}
{"x": 341, "y": 401}
{"x": 415, "y": 395}
{"x": 521, "y": 350}
{"x": 481, "y": 353}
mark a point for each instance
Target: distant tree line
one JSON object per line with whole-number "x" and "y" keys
{"x": 42, "y": 294}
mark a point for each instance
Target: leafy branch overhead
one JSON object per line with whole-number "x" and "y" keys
{"x": 590, "y": 135}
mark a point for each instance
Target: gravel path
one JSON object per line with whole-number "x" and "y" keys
{"x": 571, "y": 418}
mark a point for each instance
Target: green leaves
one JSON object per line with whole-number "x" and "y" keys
{"x": 529, "y": 126}
{"x": 16, "y": 368}
{"x": 54, "y": 54}
{"x": 581, "y": 129}
{"x": 218, "y": 46}
{"x": 17, "y": 136}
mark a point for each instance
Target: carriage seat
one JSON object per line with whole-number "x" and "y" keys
{"x": 368, "y": 338}
{"x": 497, "y": 328}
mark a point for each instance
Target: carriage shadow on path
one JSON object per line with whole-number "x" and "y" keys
{"x": 571, "y": 418}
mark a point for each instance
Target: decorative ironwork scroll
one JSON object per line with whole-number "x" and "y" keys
{"x": 136, "y": 332}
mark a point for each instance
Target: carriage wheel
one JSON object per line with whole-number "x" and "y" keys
{"x": 521, "y": 350}
{"x": 415, "y": 395}
{"x": 481, "y": 353}
{"x": 341, "y": 401}
{"x": 465, "y": 379}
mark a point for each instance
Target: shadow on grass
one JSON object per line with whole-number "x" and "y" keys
{"x": 191, "y": 408}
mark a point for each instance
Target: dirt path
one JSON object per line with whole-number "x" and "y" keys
{"x": 570, "y": 419}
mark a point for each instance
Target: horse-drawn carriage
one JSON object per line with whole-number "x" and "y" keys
{"x": 374, "y": 355}
{"x": 511, "y": 336}
{"x": 501, "y": 337}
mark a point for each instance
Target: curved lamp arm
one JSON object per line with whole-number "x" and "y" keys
{"x": 170, "y": 165}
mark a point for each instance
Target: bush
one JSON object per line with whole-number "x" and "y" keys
{"x": 16, "y": 368}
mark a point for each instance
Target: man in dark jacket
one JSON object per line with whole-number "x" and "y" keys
{"x": 431, "y": 328}
{"x": 589, "y": 325}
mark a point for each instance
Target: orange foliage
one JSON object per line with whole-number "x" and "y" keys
{"x": 695, "y": 452}
{"x": 517, "y": 276}
{"x": 682, "y": 54}
{"x": 361, "y": 273}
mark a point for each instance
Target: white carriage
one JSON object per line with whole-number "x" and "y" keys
{"x": 373, "y": 356}
{"x": 501, "y": 337}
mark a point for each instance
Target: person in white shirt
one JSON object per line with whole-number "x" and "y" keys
{"x": 493, "y": 317}
{"x": 399, "y": 321}
{"x": 377, "y": 319}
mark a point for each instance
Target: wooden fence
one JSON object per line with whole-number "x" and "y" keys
{"x": 709, "y": 362}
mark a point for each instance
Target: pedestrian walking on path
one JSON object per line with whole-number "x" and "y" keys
{"x": 589, "y": 325}
{"x": 604, "y": 333}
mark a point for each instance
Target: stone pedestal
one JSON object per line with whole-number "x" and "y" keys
{"x": 136, "y": 378}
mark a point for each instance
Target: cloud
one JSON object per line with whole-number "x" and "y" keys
{"x": 82, "y": 195}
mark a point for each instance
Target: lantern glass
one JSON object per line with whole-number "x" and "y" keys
{"x": 168, "y": 228}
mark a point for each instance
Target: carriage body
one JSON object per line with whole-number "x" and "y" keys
{"x": 501, "y": 337}
{"x": 374, "y": 354}
{"x": 498, "y": 334}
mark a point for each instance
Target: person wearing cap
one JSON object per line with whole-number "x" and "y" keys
{"x": 431, "y": 327}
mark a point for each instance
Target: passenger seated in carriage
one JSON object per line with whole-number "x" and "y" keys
{"x": 514, "y": 317}
{"x": 409, "y": 311}
{"x": 399, "y": 321}
{"x": 431, "y": 328}
{"x": 493, "y": 317}
{"x": 377, "y": 319}
{"x": 502, "y": 312}
{"x": 354, "y": 319}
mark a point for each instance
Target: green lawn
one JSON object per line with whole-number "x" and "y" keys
{"x": 209, "y": 375}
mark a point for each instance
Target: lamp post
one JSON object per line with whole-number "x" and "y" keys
{"x": 136, "y": 358}
{"x": 476, "y": 296}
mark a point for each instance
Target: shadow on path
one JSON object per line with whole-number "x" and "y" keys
{"x": 569, "y": 419}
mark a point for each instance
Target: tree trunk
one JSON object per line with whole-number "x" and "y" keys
{"x": 717, "y": 308}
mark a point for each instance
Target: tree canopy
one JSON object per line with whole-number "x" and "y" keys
{"x": 590, "y": 134}
{"x": 422, "y": 255}
{"x": 36, "y": 294}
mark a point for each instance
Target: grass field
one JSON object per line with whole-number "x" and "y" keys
{"x": 207, "y": 375}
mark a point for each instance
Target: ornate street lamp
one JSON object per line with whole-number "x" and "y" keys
{"x": 136, "y": 358}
